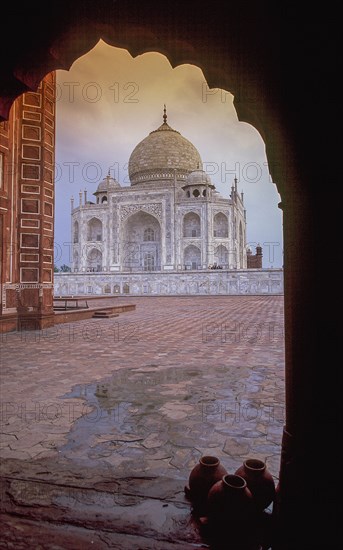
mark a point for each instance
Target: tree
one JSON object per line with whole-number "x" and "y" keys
{"x": 56, "y": 270}
{"x": 65, "y": 268}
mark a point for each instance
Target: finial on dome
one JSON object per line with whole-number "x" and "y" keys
{"x": 165, "y": 114}
{"x": 109, "y": 173}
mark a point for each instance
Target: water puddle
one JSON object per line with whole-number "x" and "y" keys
{"x": 157, "y": 419}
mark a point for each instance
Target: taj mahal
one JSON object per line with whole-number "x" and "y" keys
{"x": 165, "y": 233}
{"x": 171, "y": 217}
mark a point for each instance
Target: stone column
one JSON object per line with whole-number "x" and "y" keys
{"x": 109, "y": 241}
{"x": 82, "y": 239}
{"x": 30, "y": 182}
{"x": 163, "y": 226}
{"x": 72, "y": 236}
{"x": 178, "y": 238}
{"x": 8, "y": 234}
{"x": 308, "y": 462}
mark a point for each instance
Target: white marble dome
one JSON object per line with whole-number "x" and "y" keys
{"x": 198, "y": 177}
{"x": 162, "y": 151}
{"x": 107, "y": 184}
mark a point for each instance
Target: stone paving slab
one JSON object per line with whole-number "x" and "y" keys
{"x": 24, "y": 534}
{"x": 144, "y": 396}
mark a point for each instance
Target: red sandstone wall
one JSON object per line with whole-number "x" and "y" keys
{"x": 254, "y": 261}
{"x": 27, "y": 144}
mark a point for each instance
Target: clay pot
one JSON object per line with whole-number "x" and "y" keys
{"x": 259, "y": 481}
{"x": 203, "y": 476}
{"x": 230, "y": 505}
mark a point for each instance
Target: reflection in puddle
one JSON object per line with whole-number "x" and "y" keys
{"x": 159, "y": 418}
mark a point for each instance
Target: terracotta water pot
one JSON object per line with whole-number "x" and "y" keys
{"x": 230, "y": 504}
{"x": 204, "y": 475}
{"x": 259, "y": 480}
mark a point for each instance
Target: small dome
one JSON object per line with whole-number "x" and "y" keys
{"x": 162, "y": 151}
{"x": 107, "y": 184}
{"x": 198, "y": 177}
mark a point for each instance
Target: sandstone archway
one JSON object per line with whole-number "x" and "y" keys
{"x": 276, "y": 95}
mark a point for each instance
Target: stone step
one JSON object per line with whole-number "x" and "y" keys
{"x": 104, "y": 315}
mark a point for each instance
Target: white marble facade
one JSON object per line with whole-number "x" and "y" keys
{"x": 171, "y": 218}
{"x": 204, "y": 282}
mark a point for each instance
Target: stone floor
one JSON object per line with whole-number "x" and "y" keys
{"x": 102, "y": 420}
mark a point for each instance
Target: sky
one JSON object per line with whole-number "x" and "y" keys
{"x": 109, "y": 101}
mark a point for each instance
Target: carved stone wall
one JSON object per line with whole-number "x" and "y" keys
{"x": 27, "y": 144}
{"x": 242, "y": 282}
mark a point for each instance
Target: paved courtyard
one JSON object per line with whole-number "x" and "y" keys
{"x": 102, "y": 420}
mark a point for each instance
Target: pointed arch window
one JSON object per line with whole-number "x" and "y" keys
{"x": 149, "y": 234}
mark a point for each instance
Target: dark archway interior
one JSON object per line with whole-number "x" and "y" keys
{"x": 273, "y": 59}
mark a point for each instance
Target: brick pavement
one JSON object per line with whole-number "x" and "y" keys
{"x": 148, "y": 393}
